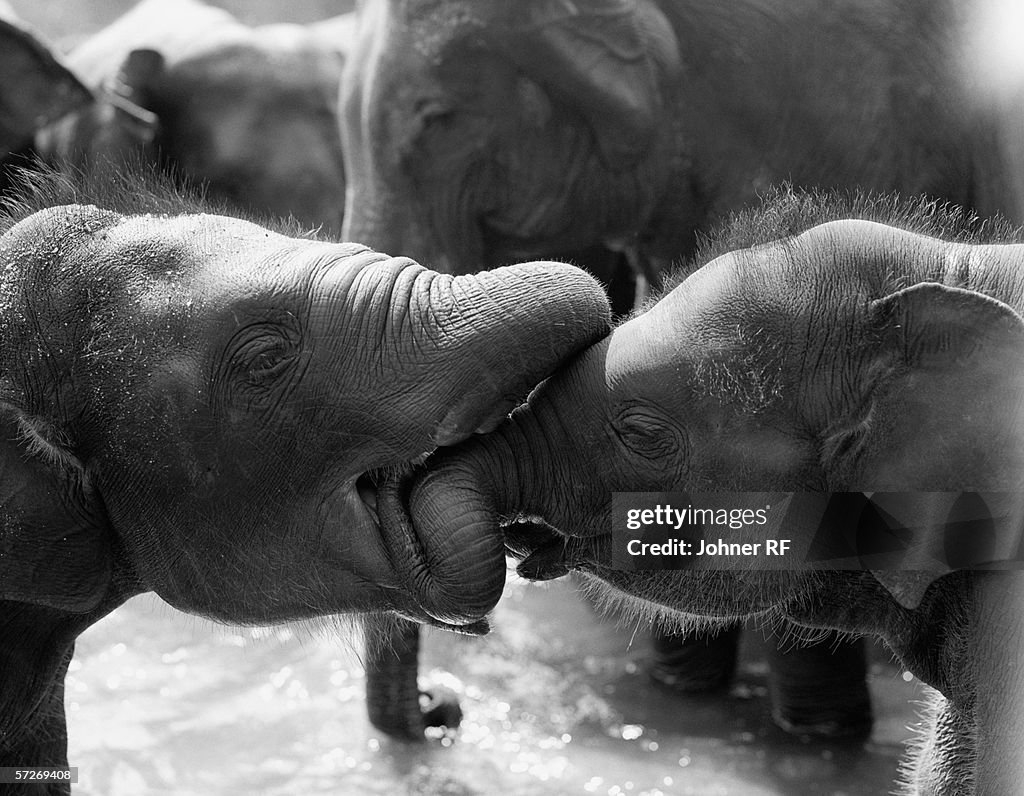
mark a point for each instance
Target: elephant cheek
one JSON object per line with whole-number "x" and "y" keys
{"x": 252, "y": 563}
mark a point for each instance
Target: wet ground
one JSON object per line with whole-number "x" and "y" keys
{"x": 556, "y": 701}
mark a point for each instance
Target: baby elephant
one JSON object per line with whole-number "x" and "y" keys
{"x": 825, "y": 352}
{"x": 199, "y": 406}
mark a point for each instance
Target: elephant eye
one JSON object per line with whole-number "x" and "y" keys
{"x": 270, "y": 362}
{"x": 430, "y": 114}
{"x": 263, "y": 353}
{"x": 648, "y": 433}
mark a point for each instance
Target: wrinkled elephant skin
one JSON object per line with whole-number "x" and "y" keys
{"x": 248, "y": 112}
{"x": 199, "y": 406}
{"x": 855, "y": 356}
{"x": 495, "y": 131}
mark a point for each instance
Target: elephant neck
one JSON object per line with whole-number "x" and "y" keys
{"x": 945, "y": 763}
{"x": 931, "y": 640}
{"x": 972, "y": 736}
{"x": 994, "y": 666}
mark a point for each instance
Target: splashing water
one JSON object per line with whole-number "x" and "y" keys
{"x": 556, "y": 702}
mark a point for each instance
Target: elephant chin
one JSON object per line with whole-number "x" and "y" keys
{"x": 544, "y": 553}
{"x": 452, "y": 579}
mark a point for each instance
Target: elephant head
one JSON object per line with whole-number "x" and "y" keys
{"x": 248, "y": 112}
{"x": 37, "y": 87}
{"x": 216, "y": 396}
{"x": 853, "y": 356}
{"x": 491, "y": 131}
{"x": 199, "y": 406}
{"x": 484, "y": 132}
{"x": 840, "y": 356}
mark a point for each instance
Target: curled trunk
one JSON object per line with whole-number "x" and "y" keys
{"x": 469, "y": 491}
{"x": 507, "y": 329}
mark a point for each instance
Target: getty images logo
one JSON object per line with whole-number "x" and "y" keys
{"x": 930, "y": 531}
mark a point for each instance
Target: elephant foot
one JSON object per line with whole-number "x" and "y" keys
{"x": 845, "y": 726}
{"x": 437, "y": 708}
{"x": 440, "y": 707}
{"x": 821, "y": 690}
{"x": 695, "y": 663}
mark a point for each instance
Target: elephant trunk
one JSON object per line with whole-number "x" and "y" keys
{"x": 453, "y": 512}
{"x": 511, "y": 327}
{"x": 462, "y": 500}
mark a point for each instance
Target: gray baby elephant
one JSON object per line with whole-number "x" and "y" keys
{"x": 199, "y": 406}
{"x": 822, "y": 351}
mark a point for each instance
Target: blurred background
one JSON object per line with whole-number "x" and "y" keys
{"x": 68, "y": 23}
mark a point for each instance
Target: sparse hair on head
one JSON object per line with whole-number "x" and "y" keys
{"x": 134, "y": 188}
{"x": 785, "y": 211}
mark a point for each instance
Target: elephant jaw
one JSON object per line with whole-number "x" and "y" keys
{"x": 545, "y": 554}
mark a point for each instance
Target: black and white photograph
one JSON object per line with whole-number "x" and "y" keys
{"x": 511, "y": 397}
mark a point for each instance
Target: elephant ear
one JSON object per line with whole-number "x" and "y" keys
{"x": 609, "y": 59}
{"x": 52, "y": 552}
{"x": 946, "y": 414}
{"x": 36, "y": 88}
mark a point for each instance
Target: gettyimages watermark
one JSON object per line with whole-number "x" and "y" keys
{"x": 931, "y": 531}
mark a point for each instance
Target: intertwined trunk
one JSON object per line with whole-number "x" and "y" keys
{"x": 542, "y": 322}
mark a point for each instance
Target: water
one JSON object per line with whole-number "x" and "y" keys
{"x": 556, "y": 702}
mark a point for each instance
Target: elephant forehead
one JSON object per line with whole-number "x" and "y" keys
{"x": 709, "y": 310}
{"x": 48, "y": 252}
{"x": 147, "y": 243}
{"x": 52, "y": 233}
{"x": 155, "y": 265}
{"x": 212, "y": 253}
{"x": 775, "y": 289}
{"x": 873, "y": 259}
{"x": 157, "y": 244}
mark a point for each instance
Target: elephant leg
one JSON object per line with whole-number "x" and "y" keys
{"x": 942, "y": 758}
{"x": 35, "y": 651}
{"x": 393, "y": 700}
{"x": 695, "y": 663}
{"x": 821, "y": 689}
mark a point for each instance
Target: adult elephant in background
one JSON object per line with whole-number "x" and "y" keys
{"x": 199, "y": 406}
{"x": 823, "y": 353}
{"x": 250, "y": 113}
{"x": 491, "y": 131}
{"x": 487, "y": 132}
{"x": 37, "y": 87}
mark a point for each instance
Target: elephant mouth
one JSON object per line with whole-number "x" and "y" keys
{"x": 383, "y": 493}
{"x": 544, "y": 553}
